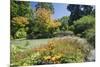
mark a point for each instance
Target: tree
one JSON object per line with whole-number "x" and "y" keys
{"x": 47, "y": 6}
{"x": 89, "y": 34}
{"x": 84, "y": 23}
{"x": 64, "y": 23}
{"x": 88, "y": 10}
{"x": 20, "y": 8}
{"x": 78, "y": 11}
{"x": 20, "y": 12}
{"x": 43, "y": 22}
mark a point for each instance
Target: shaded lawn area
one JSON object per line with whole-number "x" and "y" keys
{"x": 34, "y": 43}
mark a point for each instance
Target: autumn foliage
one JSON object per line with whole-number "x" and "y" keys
{"x": 45, "y": 19}
{"x": 22, "y": 21}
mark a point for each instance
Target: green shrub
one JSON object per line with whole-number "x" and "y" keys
{"x": 21, "y": 33}
{"x": 84, "y": 23}
{"x": 90, "y": 36}
{"x": 71, "y": 27}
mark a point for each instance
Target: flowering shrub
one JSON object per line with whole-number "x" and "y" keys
{"x": 59, "y": 50}
{"x": 89, "y": 34}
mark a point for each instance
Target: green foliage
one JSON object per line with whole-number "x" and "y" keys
{"x": 43, "y": 25}
{"x": 47, "y": 6}
{"x": 19, "y": 8}
{"x": 85, "y": 27}
{"x": 14, "y": 8}
{"x": 20, "y": 15}
{"x": 71, "y": 28}
{"x": 83, "y": 24}
{"x": 78, "y": 11}
{"x": 90, "y": 36}
{"x": 21, "y": 33}
{"x": 64, "y": 23}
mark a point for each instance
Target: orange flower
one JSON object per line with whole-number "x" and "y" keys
{"x": 53, "y": 58}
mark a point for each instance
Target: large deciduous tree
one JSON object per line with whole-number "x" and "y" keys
{"x": 44, "y": 24}
{"x": 20, "y": 8}
{"x": 78, "y": 11}
{"x": 64, "y": 23}
{"x": 83, "y": 24}
{"x": 44, "y": 21}
{"x": 47, "y": 6}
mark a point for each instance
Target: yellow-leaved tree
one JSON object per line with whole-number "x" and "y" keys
{"x": 44, "y": 20}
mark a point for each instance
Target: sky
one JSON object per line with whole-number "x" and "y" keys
{"x": 60, "y": 9}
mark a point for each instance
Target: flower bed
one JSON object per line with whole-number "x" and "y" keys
{"x": 62, "y": 50}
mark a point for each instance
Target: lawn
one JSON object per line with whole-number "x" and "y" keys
{"x": 34, "y": 43}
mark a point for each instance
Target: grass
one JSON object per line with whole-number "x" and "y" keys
{"x": 30, "y": 43}
{"x": 34, "y": 43}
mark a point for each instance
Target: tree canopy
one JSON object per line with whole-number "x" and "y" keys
{"x": 47, "y": 6}
{"x": 78, "y": 11}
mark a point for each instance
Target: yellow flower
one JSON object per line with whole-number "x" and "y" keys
{"x": 47, "y": 57}
{"x": 53, "y": 58}
{"x": 59, "y": 56}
